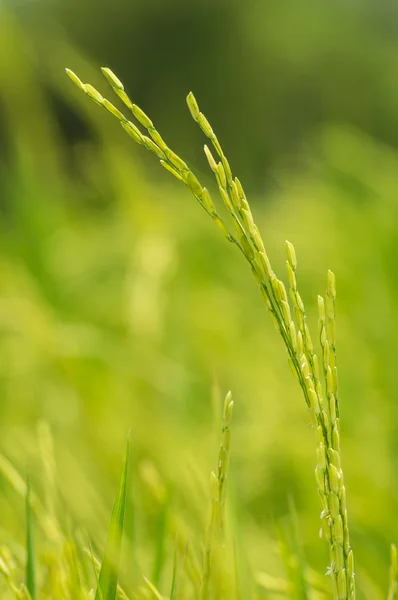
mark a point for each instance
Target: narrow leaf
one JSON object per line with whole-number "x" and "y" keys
{"x": 173, "y": 593}
{"x": 30, "y": 552}
{"x": 108, "y": 578}
{"x": 160, "y": 545}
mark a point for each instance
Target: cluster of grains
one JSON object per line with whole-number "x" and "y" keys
{"x": 287, "y": 312}
{"x": 154, "y": 143}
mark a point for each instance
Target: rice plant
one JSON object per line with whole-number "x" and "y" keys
{"x": 59, "y": 560}
{"x": 316, "y": 373}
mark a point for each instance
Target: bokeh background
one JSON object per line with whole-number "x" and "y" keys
{"x": 122, "y": 308}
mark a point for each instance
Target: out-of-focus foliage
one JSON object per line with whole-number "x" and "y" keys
{"x": 269, "y": 73}
{"x": 120, "y": 305}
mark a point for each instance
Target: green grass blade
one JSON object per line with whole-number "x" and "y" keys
{"x": 173, "y": 592}
{"x": 108, "y": 578}
{"x": 30, "y": 551}
{"x": 160, "y": 544}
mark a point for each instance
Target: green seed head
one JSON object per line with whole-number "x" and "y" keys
{"x": 338, "y": 557}
{"x": 113, "y": 110}
{"x": 299, "y": 302}
{"x": 228, "y": 408}
{"x": 228, "y": 399}
{"x": 293, "y": 335}
{"x": 133, "y": 131}
{"x": 321, "y": 308}
{"x": 334, "y": 505}
{"x": 93, "y": 93}
{"x": 193, "y": 184}
{"x": 75, "y": 79}
{"x": 338, "y": 529}
{"x": 286, "y": 312}
{"x": 247, "y": 248}
{"x": 176, "y": 160}
{"x": 336, "y": 437}
{"x": 350, "y": 560}
{"x": 300, "y": 345}
{"x": 332, "y": 405}
{"x": 235, "y": 196}
{"x": 329, "y": 306}
{"x": 225, "y": 198}
{"x": 314, "y": 402}
{"x": 343, "y": 500}
{"x": 171, "y": 170}
{"x": 205, "y": 125}
{"x": 332, "y": 332}
{"x": 321, "y": 456}
{"x": 335, "y": 459}
{"x": 334, "y": 478}
{"x": 157, "y": 138}
{"x": 308, "y": 340}
{"x": 326, "y": 529}
{"x": 346, "y": 537}
{"x": 193, "y": 106}
{"x": 316, "y": 365}
{"x": 257, "y": 239}
{"x": 342, "y": 585}
{"x": 248, "y": 221}
{"x": 152, "y": 147}
{"x": 124, "y": 98}
{"x": 210, "y": 159}
{"x": 291, "y": 275}
{"x": 291, "y": 255}
{"x": 304, "y": 366}
{"x": 207, "y": 201}
{"x": 329, "y": 380}
{"x": 320, "y": 479}
{"x": 282, "y": 291}
{"x": 227, "y": 169}
{"x": 266, "y": 264}
{"x": 113, "y": 80}
{"x": 332, "y": 284}
{"x": 240, "y": 188}
{"x": 141, "y": 116}
{"x": 222, "y": 228}
{"x": 221, "y": 177}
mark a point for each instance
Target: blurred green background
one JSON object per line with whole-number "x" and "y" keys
{"x": 122, "y": 308}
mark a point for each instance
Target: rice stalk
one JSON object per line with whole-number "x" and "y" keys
{"x": 218, "y": 481}
{"x": 287, "y": 313}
